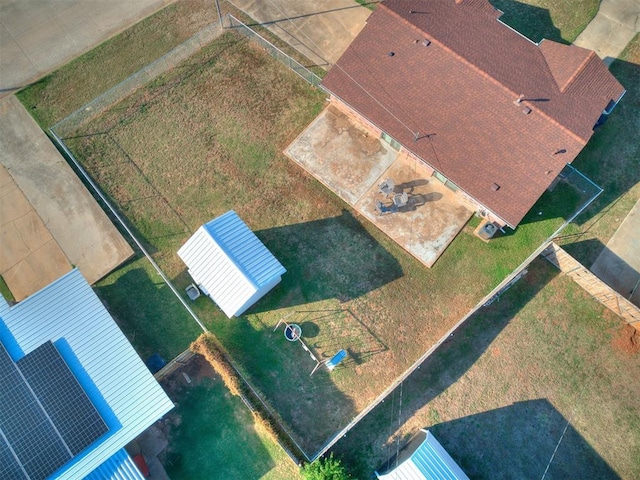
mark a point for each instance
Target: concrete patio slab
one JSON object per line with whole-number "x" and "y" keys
{"x": 321, "y": 31}
{"x": 49, "y": 219}
{"x": 619, "y": 263}
{"x": 352, "y": 164}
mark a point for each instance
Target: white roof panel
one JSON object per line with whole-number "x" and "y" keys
{"x": 430, "y": 461}
{"x": 69, "y": 313}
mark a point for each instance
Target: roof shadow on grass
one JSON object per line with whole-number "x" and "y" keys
{"x": 519, "y": 441}
{"x": 330, "y": 258}
{"x": 147, "y": 311}
{"x": 371, "y": 442}
{"x": 533, "y": 22}
{"x": 610, "y": 158}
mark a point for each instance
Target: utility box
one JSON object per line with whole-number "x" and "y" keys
{"x": 486, "y": 230}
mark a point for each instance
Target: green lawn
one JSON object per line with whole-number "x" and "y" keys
{"x": 146, "y": 310}
{"x": 500, "y": 392}
{"x": 5, "y": 292}
{"x": 559, "y": 20}
{"x": 212, "y": 435}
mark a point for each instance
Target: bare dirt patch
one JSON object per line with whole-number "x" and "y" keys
{"x": 627, "y": 340}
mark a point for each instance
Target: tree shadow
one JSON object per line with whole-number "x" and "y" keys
{"x": 330, "y": 258}
{"x": 520, "y": 440}
{"x": 367, "y": 445}
{"x": 533, "y": 22}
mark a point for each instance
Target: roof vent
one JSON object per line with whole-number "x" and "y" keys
{"x": 426, "y": 42}
{"x": 391, "y": 54}
{"x": 526, "y": 110}
{"x": 495, "y": 187}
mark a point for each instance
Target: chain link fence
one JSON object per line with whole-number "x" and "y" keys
{"x": 139, "y": 79}
{"x": 274, "y": 51}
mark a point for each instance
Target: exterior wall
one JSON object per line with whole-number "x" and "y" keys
{"x": 261, "y": 292}
{"x": 464, "y": 197}
{"x": 353, "y": 115}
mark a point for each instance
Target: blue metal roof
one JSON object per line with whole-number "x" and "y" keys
{"x": 68, "y": 313}
{"x": 430, "y": 461}
{"x": 230, "y": 263}
{"x": 119, "y": 467}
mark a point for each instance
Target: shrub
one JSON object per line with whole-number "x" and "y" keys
{"x": 325, "y": 469}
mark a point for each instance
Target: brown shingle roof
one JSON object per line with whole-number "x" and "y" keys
{"x": 458, "y": 96}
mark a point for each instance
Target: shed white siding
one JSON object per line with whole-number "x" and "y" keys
{"x": 69, "y": 310}
{"x": 430, "y": 461}
{"x": 230, "y": 264}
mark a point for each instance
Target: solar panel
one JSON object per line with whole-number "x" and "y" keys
{"x": 9, "y": 466}
{"x": 45, "y": 416}
{"x": 62, "y": 397}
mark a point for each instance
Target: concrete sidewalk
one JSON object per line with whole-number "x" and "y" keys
{"x": 619, "y": 263}
{"x": 613, "y": 27}
{"x": 38, "y": 36}
{"x": 321, "y": 31}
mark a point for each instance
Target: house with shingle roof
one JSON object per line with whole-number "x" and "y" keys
{"x": 495, "y": 116}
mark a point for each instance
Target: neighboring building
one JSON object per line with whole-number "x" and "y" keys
{"x": 495, "y": 116}
{"x": 230, "y": 264}
{"x": 423, "y": 458}
{"x": 74, "y": 391}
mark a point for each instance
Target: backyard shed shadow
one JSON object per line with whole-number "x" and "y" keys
{"x": 519, "y": 426}
{"x": 330, "y": 258}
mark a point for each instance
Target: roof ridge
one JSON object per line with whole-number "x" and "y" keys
{"x": 480, "y": 71}
{"x": 578, "y": 71}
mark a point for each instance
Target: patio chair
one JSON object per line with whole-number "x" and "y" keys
{"x": 386, "y": 187}
{"x": 400, "y": 199}
{"x": 383, "y": 209}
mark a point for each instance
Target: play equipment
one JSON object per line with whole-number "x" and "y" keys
{"x": 293, "y": 333}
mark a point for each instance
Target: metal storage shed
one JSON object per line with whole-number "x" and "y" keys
{"x": 230, "y": 264}
{"x": 424, "y": 459}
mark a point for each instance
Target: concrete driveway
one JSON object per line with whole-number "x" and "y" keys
{"x": 353, "y": 163}
{"x": 38, "y": 36}
{"x": 62, "y": 223}
{"x": 320, "y": 30}
{"x": 613, "y": 27}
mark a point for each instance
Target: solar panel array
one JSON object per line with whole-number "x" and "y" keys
{"x": 45, "y": 416}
